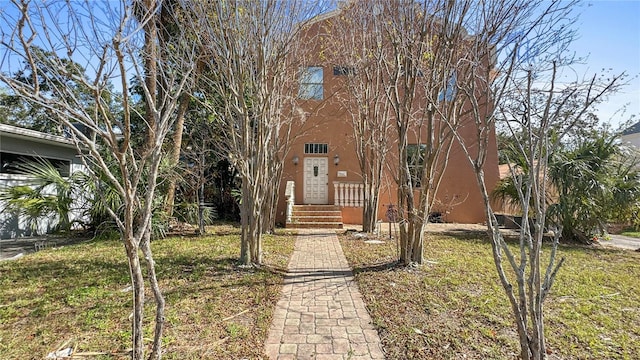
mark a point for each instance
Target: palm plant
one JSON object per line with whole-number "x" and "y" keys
{"x": 46, "y": 194}
{"x": 597, "y": 182}
{"x": 594, "y": 182}
{"x": 100, "y": 196}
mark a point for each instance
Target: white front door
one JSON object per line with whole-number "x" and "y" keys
{"x": 316, "y": 180}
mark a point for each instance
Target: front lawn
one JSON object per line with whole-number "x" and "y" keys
{"x": 449, "y": 308}
{"x": 454, "y": 307}
{"x": 79, "y": 296}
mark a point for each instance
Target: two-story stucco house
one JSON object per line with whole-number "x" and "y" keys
{"x": 321, "y": 173}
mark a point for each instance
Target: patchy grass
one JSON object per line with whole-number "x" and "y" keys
{"x": 78, "y": 294}
{"x": 454, "y": 306}
{"x": 634, "y": 234}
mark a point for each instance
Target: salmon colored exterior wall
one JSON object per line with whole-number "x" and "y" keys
{"x": 328, "y": 123}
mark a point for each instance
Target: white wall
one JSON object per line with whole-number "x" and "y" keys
{"x": 633, "y": 139}
{"x": 12, "y": 226}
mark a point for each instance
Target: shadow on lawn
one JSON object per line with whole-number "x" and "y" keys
{"x": 381, "y": 267}
{"x": 199, "y": 274}
{"x": 56, "y": 271}
{"x": 59, "y": 271}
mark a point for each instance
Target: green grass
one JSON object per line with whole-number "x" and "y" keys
{"x": 451, "y": 307}
{"x": 634, "y": 234}
{"x": 78, "y": 294}
{"x": 454, "y": 306}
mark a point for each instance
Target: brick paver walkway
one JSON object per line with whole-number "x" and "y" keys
{"x": 321, "y": 314}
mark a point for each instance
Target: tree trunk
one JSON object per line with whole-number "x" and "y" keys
{"x": 156, "y": 348}
{"x": 151, "y": 71}
{"x": 175, "y": 152}
{"x": 269, "y": 225}
{"x": 245, "y": 237}
{"x": 411, "y": 226}
{"x": 250, "y": 248}
{"x": 137, "y": 282}
{"x": 417, "y": 252}
{"x": 269, "y": 208}
{"x": 368, "y": 221}
{"x": 370, "y": 208}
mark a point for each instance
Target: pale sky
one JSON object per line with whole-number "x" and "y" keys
{"x": 609, "y": 34}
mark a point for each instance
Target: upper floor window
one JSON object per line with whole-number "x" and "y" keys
{"x": 342, "y": 70}
{"x": 311, "y": 83}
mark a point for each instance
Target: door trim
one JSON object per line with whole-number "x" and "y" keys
{"x": 321, "y": 196}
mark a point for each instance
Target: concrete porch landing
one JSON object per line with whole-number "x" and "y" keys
{"x": 321, "y": 314}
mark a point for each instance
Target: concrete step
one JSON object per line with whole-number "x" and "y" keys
{"x": 316, "y": 208}
{"x": 315, "y": 225}
{"x": 316, "y": 216}
{"x": 317, "y": 212}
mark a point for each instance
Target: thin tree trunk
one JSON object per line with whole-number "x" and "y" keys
{"x": 276, "y": 180}
{"x": 371, "y": 203}
{"x": 518, "y": 305}
{"x": 151, "y": 70}
{"x": 175, "y": 152}
{"x": 245, "y": 257}
{"x": 257, "y": 245}
{"x": 369, "y": 212}
{"x": 156, "y": 348}
{"x": 137, "y": 280}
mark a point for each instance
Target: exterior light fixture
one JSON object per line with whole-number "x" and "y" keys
{"x": 295, "y": 159}
{"x": 336, "y": 160}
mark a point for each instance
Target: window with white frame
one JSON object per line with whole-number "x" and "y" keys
{"x": 415, "y": 160}
{"x": 311, "y": 83}
{"x": 449, "y": 92}
{"x": 312, "y": 148}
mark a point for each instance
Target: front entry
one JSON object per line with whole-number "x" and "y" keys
{"x": 316, "y": 180}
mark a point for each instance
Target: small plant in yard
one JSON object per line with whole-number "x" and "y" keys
{"x": 596, "y": 238}
{"x": 237, "y": 331}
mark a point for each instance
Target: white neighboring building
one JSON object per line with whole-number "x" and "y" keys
{"x": 632, "y": 135}
{"x": 19, "y": 144}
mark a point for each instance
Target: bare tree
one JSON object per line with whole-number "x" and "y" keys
{"x": 422, "y": 51}
{"x": 115, "y": 42}
{"x": 357, "y": 51}
{"x": 513, "y": 75}
{"x": 252, "y": 54}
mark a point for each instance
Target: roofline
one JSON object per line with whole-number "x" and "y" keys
{"x": 342, "y": 4}
{"x": 18, "y": 132}
{"x": 631, "y": 130}
{"x": 323, "y": 16}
